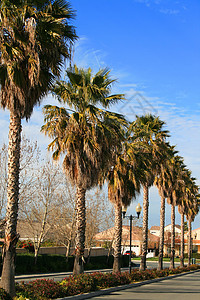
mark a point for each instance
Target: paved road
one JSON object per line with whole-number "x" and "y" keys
{"x": 154, "y": 264}
{"x": 186, "y": 287}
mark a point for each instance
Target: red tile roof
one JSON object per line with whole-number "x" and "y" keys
{"x": 155, "y": 228}
{"x": 137, "y": 234}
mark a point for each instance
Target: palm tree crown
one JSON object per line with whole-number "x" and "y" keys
{"x": 34, "y": 39}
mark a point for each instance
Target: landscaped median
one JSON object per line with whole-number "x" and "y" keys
{"x": 85, "y": 283}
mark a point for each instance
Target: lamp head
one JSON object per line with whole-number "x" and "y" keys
{"x": 124, "y": 210}
{"x": 138, "y": 209}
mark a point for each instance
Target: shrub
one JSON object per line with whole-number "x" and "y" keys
{"x": 104, "y": 262}
{"x": 84, "y": 283}
{"x": 111, "y": 279}
{"x": 40, "y": 289}
{"x": 161, "y": 273}
{"x": 4, "y": 295}
{"x": 25, "y": 264}
{"x": 28, "y": 245}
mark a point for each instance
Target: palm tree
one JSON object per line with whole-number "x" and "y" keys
{"x": 123, "y": 186}
{"x": 181, "y": 211}
{"x": 192, "y": 209}
{"x": 162, "y": 181}
{"x": 175, "y": 196}
{"x": 182, "y": 208}
{"x": 148, "y": 132}
{"x": 34, "y": 40}
{"x": 87, "y": 135}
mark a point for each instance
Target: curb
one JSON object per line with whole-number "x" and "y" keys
{"x": 123, "y": 287}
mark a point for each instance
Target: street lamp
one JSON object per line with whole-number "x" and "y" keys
{"x": 138, "y": 211}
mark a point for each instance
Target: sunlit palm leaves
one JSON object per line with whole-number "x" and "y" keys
{"x": 34, "y": 39}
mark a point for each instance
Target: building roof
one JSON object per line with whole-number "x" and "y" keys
{"x": 108, "y": 235}
{"x": 177, "y": 226}
{"x": 155, "y": 228}
{"x": 197, "y": 229}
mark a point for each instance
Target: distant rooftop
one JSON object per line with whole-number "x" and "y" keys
{"x": 155, "y": 228}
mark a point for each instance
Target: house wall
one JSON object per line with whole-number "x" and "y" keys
{"x": 136, "y": 247}
{"x": 196, "y": 234}
{"x": 155, "y": 232}
{"x": 168, "y": 228}
{"x": 167, "y": 251}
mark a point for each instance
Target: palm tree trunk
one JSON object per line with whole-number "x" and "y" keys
{"x": 189, "y": 241}
{"x": 80, "y": 231}
{"x": 162, "y": 227}
{"x": 145, "y": 227}
{"x": 172, "y": 236}
{"x": 118, "y": 237}
{"x": 182, "y": 241}
{"x": 11, "y": 237}
{"x": 110, "y": 248}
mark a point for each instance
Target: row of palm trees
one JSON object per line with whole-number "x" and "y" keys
{"x": 99, "y": 145}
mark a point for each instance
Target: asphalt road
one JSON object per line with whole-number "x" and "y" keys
{"x": 154, "y": 264}
{"x": 179, "y": 288}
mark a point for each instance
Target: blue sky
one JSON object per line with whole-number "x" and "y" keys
{"x": 153, "y": 48}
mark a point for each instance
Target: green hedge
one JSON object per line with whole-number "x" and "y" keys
{"x": 25, "y": 263}
{"x": 102, "y": 262}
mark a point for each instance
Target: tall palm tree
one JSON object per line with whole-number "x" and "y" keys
{"x": 192, "y": 208}
{"x": 34, "y": 40}
{"x": 181, "y": 211}
{"x": 173, "y": 198}
{"x": 182, "y": 208}
{"x": 148, "y": 132}
{"x": 123, "y": 186}
{"x": 162, "y": 181}
{"x": 87, "y": 135}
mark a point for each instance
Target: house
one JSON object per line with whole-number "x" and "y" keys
{"x": 155, "y": 230}
{"x": 196, "y": 234}
{"x": 177, "y": 229}
{"x": 106, "y": 238}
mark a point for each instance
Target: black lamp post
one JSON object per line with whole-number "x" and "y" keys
{"x": 138, "y": 211}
